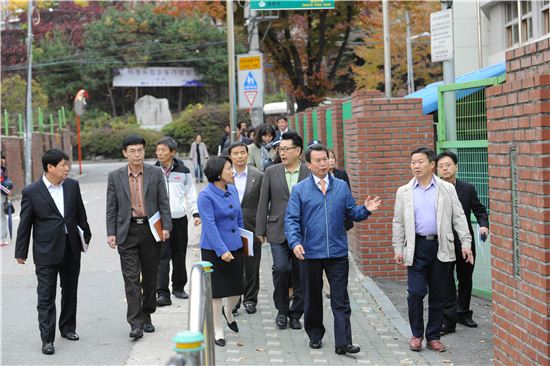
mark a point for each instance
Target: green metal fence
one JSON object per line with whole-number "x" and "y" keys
{"x": 328, "y": 120}
{"x": 470, "y": 146}
{"x": 347, "y": 113}
{"x": 11, "y": 122}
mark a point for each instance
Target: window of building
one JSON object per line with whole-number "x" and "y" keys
{"x": 545, "y": 16}
{"x": 512, "y": 24}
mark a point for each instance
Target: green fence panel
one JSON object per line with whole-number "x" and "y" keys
{"x": 52, "y": 126}
{"x": 314, "y": 123}
{"x": 328, "y": 119}
{"x": 471, "y": 148}
{"x": 347, "y": 113}
{"x": 297, "y": 124}
{"x": 6, "y": 122}
{"x": 20, "y": 124}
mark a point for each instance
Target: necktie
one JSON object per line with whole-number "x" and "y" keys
{"x": 323, "y": 186}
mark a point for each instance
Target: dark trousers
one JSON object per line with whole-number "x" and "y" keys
{"x": 285, "y": 268}
{"x": 174, "y": 249}
{"x": 427, "y": 272}
{"x": 459, "y": 306}
{"x": 139, "y": 258}
{"x": 68, "y": 270}
{"x": 336, "y": 269}
{"x": 252, "y": 276}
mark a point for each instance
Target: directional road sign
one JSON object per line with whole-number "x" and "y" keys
{"x": 291, "y": 4}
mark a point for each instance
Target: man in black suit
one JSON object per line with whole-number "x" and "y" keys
{"x": 135, "y": 193}
{"x": 52, "y": 209}
{"x": 248, "y": 181}
{"x": 457, "y": 308}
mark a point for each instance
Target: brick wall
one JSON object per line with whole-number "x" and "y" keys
{"x": 379, "y": 139}
{"x": 13, "y": 149}
{"x": 308, "y": 134}
{"x": 337, "y": 132}
{"x": 518, "y": 115}
{"x": 322, "y": 124}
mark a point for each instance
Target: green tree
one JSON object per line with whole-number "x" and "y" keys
{"x": 14, "y": 93}
{"x": 60, "y": 83}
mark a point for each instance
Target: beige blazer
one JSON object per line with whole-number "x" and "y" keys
{"x": 450, "y": 215}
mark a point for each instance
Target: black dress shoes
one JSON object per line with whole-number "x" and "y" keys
{"x": 71, "y": 336}
{"x": 148, "y": 328}
{"x": 447, "y": 328}
{"x": 48, "y": 348}
{"x": 281, "y": 321}
{"x": 315, "y": 344}
{"x": 163, "y": 301}
{"x": 295, "y": 323}
{"x": 220, "y": 342}
{"x": 233, "y": 325}
{"x": 136, "y": 333}
{"x": 350, "y": 348}
{"x": 180, "y": 294}
{"x": 468, "y": 322}
{"x": 250, "y": 308}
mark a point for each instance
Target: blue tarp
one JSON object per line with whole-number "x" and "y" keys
{"x": 429, "y": 93}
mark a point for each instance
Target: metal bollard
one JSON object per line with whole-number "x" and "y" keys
{"x": 200, "y": 308}
{"x": 189, "y": 345}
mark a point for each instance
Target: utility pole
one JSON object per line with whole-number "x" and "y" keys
{"x": 410, "y": 77}
{"x": 449, "y": 78}
{"x": 387, "y": 51}
{"x": 231, "y": 68}
{"x": 28, "y": 129}
{"x": 256, "y": 114}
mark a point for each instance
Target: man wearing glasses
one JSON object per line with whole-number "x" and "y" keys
{"x": 135, "y": 193}
{"x": 279, "y": 179}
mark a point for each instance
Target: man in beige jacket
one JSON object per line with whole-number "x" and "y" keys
{"x": 426, "y": 211}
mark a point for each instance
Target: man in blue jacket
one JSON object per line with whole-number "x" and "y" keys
{"x": 314, "y": 227}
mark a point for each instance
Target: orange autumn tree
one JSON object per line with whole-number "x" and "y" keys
{"x": 369, "y": 71}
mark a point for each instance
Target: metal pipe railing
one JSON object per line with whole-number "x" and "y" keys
{"x": 200, "y": 309}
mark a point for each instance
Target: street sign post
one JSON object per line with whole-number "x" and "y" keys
{"x": 251, "y": 81}
{"x": 291, "y": 4}
{"x": 79, "y": 109}
{"x": 441, "y": 29}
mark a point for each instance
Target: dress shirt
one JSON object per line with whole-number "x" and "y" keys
{"x": 136, "y": 192}
{"x": 240, "y": 182}
{"x": 292, "y": 177}
{"x": 318, "y": 182}
{"x": 425, "y": 211}
{"x": 56, "y": 191}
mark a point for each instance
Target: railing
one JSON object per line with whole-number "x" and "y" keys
{"x": 42, "y": 125}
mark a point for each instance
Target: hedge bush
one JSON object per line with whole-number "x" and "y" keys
{"x": 206, "y": 120}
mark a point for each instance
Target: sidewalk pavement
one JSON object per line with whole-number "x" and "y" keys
{"x": 260, "y": 342}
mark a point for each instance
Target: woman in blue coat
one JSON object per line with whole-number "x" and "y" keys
{"x": 220, "y": 242}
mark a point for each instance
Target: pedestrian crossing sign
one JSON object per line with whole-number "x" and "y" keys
{"x": 250, "y": 83}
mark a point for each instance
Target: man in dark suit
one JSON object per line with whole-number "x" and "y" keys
{"x": 282, "y": 127}
{"x": 248, "y": 181}
{"x": 276, "y": 187}
{"x": 457, "y": 308}
{"x": 135, "y": 193}
{"x": 52, "y": 209}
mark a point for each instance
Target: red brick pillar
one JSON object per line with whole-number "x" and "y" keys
{"x": 379, "y": 139}
{"x": 308, "y": 133}
{"x": 337, "y": 132}
{"x": 518, "y": 125}
{"x": 12, "y": 148}
{"x": 322, "y": 124}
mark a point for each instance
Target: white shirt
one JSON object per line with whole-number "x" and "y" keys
{"x": 318, "y": 180}
{"x": 56, "y": 191}
{"x": 240, "y": 182}
{"x": 57, "y": 194}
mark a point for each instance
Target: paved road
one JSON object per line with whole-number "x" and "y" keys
{"x": 104, "y": 331}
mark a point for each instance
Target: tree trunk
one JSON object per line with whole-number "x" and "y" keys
{"x": 113, "y": 106}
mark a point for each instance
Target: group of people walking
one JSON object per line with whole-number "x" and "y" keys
{"x": 289, "y": 196}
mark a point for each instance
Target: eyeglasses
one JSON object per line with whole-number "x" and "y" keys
{"x": 286, "y": 149}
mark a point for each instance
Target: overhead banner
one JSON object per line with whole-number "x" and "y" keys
{"x": 250, "y": 79}
{"x": 156, "y": 76}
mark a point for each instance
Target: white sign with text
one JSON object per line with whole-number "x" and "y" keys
{"x": 441, "y": 30}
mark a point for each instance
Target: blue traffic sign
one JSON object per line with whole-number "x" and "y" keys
{"x": 250, "y": 83}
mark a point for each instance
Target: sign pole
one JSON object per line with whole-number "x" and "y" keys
{"x": 231, "y": 68}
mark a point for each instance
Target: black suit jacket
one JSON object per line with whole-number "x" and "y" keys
{"x": 40, "y": 215}
{"x": 341, "y": 174}
{"x": 467, "y": 195}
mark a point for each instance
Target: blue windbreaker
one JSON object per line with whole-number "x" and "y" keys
{"x": 317, "y": 221}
